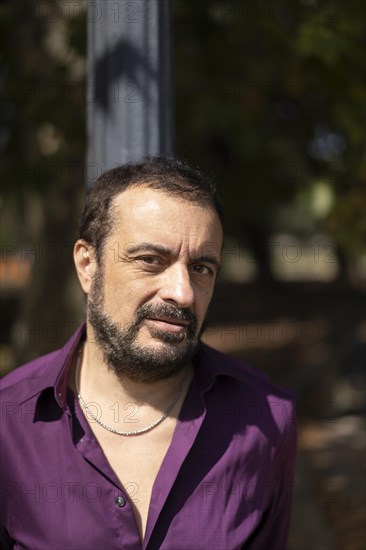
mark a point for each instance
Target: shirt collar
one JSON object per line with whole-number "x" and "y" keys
{"x": 67, "y": 354}
{"x": 54, "y": 376}
{"x": 206, "y": 363}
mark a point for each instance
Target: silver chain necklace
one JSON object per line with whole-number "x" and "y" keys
{"x": 119, "y": 432}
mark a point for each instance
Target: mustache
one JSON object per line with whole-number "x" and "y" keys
{"x": 166, "y": 310}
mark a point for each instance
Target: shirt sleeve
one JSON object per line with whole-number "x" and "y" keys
{"x": 273, "y": 529}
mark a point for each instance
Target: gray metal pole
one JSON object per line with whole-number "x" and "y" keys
{"x": 129, "y": 88}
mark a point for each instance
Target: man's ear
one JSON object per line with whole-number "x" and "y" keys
{"x": 85, "y": 263}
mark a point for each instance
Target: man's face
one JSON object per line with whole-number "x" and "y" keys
{"x": 148, "y": 300}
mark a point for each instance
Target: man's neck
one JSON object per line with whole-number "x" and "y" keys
{"x": 91, "y": 377}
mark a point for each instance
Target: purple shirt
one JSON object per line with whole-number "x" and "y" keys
{"x": 224, "y": 484}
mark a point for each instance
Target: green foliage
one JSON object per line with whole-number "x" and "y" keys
{"x": 43, "y": 95}
{"x": 270, "y": 97}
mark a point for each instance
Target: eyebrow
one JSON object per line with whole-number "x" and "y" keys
{"x": 160, "y": 249}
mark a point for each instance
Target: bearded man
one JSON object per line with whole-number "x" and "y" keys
{"x": 136, "y": 435}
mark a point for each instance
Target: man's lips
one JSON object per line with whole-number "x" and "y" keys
{"x": 169, "y": 323}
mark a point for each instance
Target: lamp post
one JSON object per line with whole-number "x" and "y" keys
{"x": 129, "y": 87}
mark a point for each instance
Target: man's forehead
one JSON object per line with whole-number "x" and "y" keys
{"x": 135, "y": 192}
{"x": 136, "y": 196}
{"x": 145, "y": 215}
{"x": 142, "y": 202}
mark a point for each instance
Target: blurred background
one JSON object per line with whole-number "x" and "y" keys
{"x": 270, "y": 101}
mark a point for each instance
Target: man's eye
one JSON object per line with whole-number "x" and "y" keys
{"x": 202, "y": 269}
{"x": 151, "y": 260}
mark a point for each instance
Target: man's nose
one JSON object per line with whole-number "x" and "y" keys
{"x": 176, "y": 286}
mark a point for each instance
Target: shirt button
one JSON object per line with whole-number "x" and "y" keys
{"x": 120, "y": 501}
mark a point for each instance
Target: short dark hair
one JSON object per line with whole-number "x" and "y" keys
{"x": 173, "y": 176}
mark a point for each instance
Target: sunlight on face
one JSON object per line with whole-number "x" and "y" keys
{"x": 148, "y": 301}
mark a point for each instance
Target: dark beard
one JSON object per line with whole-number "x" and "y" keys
{"x": 120, "y": 348}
